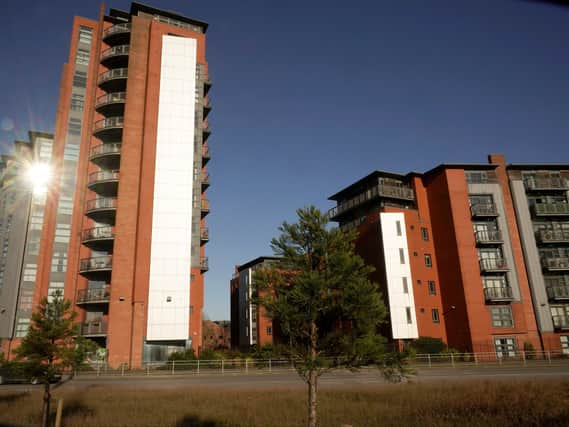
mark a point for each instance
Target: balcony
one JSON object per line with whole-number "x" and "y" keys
{"x": 102, "y": 209}
{"x": 484, "y": 210}
{"x": 116, "y": 56}
{"x": 99, "y": 238}
{"x": 93, "y": 296}
{"x": 106, "y": 156}
{"x": 204, "y": 206}
{"x": 547, "y": 184}
{"x": 206, "y": 155}
{"x": 104, "y": 182}
{"x": 204, "y": 264}
{"x": 379, "y": 191}
{"x": 561, "y": 322}
{"x": 553, "y": 236}
{"x": 117, "y": 34}
{"x": 94, "y": 329}
{"x": 498, "y": 294}
{"x": 551, "y": 209}
{"x": 111, "y": 104}
{"x": 204, "y": 235}
{"x": 206, "y": 106}
{"x": 96, "y": 268}
{"x": 559, "y": 292}
{"x": 109, "y": 129}
{"x": 113, "y": 80}
{"x": 205, "y": 181}
{"x": 488, "y": 237}
{"x": 493, "y": 265}
{"x": 555, "y": 263}
{"x": 206, "y": 130}
{"x": 206, "y": 85}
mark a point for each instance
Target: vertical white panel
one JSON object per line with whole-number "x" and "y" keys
{"x": 170, "y": 258}
{"x": 395, "y": 271}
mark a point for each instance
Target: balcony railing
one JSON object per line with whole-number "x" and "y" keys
{"x": 555, "y": 209}
{"x": 115, "y": 51}
{"x": 204, "y": 264}
{"x": 114, "y": 74}
{"x": 541, "y": 184}
{"x": 205, "y": 205}
{"x": 101, "y": 203}
{"x": 553, "y": 236}
{"x": 484, "y": 209}
{"x": 493, "y": 264}
{"x": 206, "y": 155}
{"x": 117, "y": 29}
{"x": 98, "y": 233}
{"x": 109, "y": 123}
{"x": 205, "y": 180}
{"x": 94, "y": 295}
{"x": 103, "y": 176}
{"x": 555, "y": 263}
{"x": 94, "y": 328}
{"x": 561, "y": 321}
{"x": 110, "y": 98}
{"x": 498, "y": 293}
{"x": 204, "y": 234}
{"x": 488, "y": 236}
{"x": 380, "y": 190}
{"x": 558, "y": 292}
{"x": 99, "y": 263}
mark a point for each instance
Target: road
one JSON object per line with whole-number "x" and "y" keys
{"x": 365, "y": 379}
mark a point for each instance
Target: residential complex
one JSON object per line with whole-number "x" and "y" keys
{"x": 475, "y": 254}
{"x": 124, "y": 224}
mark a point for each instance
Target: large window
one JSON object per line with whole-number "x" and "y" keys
{"x": 77, "y": 102}
{"x": 505, "y": 347}
{"x": 564, "y": 344}
{"x": 502, "y": 317}
{"x": 82, "y": 57}
{"x": 85, "y": 35}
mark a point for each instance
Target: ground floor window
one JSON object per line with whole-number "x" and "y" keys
{"x": 505, "y": 347}
{"x": 565, "y": 344}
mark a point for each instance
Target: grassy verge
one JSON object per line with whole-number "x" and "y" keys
{"x": 494, "y": 403}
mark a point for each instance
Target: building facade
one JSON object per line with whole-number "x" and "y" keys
{"x": 124, "y": 228}
{"x": 250, "y": 326}
{"x": 474, "y": 254}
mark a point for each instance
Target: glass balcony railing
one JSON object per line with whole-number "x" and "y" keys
{"x": 120, "y": 50}
{"x": 114, "y": 74}
{"x": 498, "y": 293}
{"x": 493, "y": 264}
{"x": 543, "y": 184}
{"x": 561, "y": 321}
{"x": 484, "y": 209}
{"x": 552, "y": 209}
{"x": 94, "y": 329}
{"x": 555, "y": 263}
{"x": 204, "y": 264}
{"x": 204, "y": 234}
{"x": 105, "y": 149}
{"x": 94, "y": 295}
{"x": 101, "y": 203}
{"x": 109, "y": 123}
{"x": 488, "y": 236}
{"x": 558, "y": 292}
{"x": 103, "y": 176}
{"x": 99, "y": 263}
{"x": 117, "y": 29}
{"x": 553, "y": 236}
{"x": 110, "y": 98}
{"x": 98, "y": 233}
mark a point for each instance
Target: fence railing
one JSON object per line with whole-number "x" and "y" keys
{"x": 251, "y": 366}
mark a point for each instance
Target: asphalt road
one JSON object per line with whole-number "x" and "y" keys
{"x": 365, "y": 379}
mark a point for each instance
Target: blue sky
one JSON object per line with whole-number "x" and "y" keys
{"x": 311, "y": 95}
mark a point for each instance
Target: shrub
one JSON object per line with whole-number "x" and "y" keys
{"x": 428, "y": 345}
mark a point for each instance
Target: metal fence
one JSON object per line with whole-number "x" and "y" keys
{"x": 254, "y": 366}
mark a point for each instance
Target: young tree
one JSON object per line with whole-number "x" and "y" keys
{"x": 51, "y": 345}
{"x": 319, "y": 295}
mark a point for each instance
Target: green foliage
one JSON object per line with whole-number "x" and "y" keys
{"x": 395, "y": 367}
{"x": 182, "y": 355}
{"x": 319, "y": 293}
{"x": 428, "y": 345}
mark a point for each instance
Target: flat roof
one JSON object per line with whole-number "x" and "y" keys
{"x": 256, "y": 261}
{"x": 139, "y": 7}
{"x": 538, "y": 166}
{"x": 367, "y": 178}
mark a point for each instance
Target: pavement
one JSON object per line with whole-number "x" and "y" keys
{"x": 287, "y": 379}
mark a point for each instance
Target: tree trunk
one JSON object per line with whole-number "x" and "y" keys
{"x": 46, "y": 401}
{"x": 312, "y": 389}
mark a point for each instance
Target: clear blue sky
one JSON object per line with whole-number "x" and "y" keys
{"x": 311, "y": 95}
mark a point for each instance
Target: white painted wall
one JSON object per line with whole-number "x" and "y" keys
{"x": 395, "y": 271}
{"x": 170, "y": 258}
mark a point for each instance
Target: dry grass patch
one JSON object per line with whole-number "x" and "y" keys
{"x": 472, "y": 404}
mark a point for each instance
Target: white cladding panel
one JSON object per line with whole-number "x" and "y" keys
{"x": 394, "y": 240}
{"x": 170, "y": 258}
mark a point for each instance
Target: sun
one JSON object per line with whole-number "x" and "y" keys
{"x": 39, "y": 176}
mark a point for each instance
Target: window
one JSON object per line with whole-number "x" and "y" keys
{"x": 80, "y": 79}
{"x": 398, "y": 225}
{"x": 502, "y": 317}
{"x": 505, "y": 347}
{"x": 74, "y": 127}
{"x": 85, "y": 35}
{"x": 82, "y": 57}
{"x": 425, "y": 234}
{"x": 432, "y": 287}
{"x": 405, "y": 286}
{"x": 401, "y": 256}
{"x": 269, "y": 330}
{"x": 408, "y": 314}
{"x": 564, "y": 344}
{"x": 246, "y": 331}
{"x": 428, "y": 261}
{"x": 435, "y": 315}
{"x": 77, "y": 102}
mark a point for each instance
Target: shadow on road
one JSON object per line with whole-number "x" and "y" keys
{"x": 195, "y": 421}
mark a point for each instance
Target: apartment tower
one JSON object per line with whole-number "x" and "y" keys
{"x": 124, "y": 227}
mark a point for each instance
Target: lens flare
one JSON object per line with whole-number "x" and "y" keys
{"x": 39, "y": 176}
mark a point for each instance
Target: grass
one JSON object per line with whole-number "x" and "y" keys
{"x": 492, "y": 403}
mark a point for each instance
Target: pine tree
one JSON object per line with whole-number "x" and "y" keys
{"x": 319, "y": 295}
